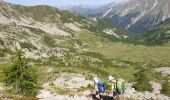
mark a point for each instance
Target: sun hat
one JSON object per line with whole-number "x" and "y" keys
{"x": 111, "y": 78}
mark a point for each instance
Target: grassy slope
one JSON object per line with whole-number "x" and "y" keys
{"x": 138, "y": 53}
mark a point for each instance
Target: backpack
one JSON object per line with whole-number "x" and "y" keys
{"x": 101, "y": 87}
{"x": 120, "y": 86}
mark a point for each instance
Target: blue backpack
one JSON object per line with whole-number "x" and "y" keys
{"x": 101, "y": 87}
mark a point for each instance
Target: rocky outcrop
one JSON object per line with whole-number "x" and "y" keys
{"x": 155, "y": 95}
{"x": 163, "y": 70}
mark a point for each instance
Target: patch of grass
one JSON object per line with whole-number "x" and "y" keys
{"x": 64, "y": 91}
{"x": 94, "y": 55}
{"x": 2, "y": 66}
{"x": 27, "y": 45}
{"x": 35, "y": 30}
{"x": 89, "y": 86}
{"x": 25, "y": 98}
{"x": 91, "y": 39}
{"x": 135, "y": 53}
{"x": 1, "y": 42}
{"x": 2, "y": 52}
{"x": 49, "y": 41}
{"x": 166, "y": 88}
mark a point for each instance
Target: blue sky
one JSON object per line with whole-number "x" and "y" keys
{"x": 62, "y": 2}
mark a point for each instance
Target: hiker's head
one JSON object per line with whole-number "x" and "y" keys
{"x": 111, "y": 79}
{"x": 95, "y": 79}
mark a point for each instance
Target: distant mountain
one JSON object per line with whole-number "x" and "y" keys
{"x": 135, "y": 15}
{"x": 89, "y": 11}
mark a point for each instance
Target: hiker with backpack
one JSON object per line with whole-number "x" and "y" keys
{"x": 117, "y": 87}
{"x": 120, "y": 87}
{"x": 112, "y": 81}
{"x": 99, "y": 88}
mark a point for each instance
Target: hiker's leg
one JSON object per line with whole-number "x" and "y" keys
{"x": 114, "y": 94}
{"x": 118, "y": 97}
{"x": 97, "y": 95}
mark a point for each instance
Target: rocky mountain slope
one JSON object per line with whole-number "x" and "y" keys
{"x": 136, "y": 15}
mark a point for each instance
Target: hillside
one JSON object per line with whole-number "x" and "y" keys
{"x": 42, "y": 23}
{"x": 159, "y": 34}
{"x": 63, "y": 47}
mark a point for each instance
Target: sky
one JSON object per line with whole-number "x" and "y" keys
{"x": 62, "y": 2}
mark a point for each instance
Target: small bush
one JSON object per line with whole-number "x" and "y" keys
{"x": 2, "y": 52}
{"x": 36, "y": 31}
{"x": 89, "y": 86}
{"x": 28, "y": 46}
{"x": 49, "y": 41}
{"x": 94, "y": 55}
{"x": 142, "y": 81}
{"x": 1, "y": 42}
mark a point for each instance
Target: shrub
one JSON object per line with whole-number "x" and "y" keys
{"x": 142, "y": 81}
{"x": 2, "y": 52}
{"x": 20, "y": 76}
{"x": 28, "y": 46}
{"x": 49, "y": 41}
{"x": 1, "y": 42}
{"x": 94, "y": 55}
{"x": 89, "y": 86}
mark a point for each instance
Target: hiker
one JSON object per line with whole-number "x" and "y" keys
{"x": 112, "y": 81}
{"x": 120, "y": 87}
{"x": 99, "y": 88}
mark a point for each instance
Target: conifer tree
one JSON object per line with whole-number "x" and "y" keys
{"x": 21, "y": 76}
